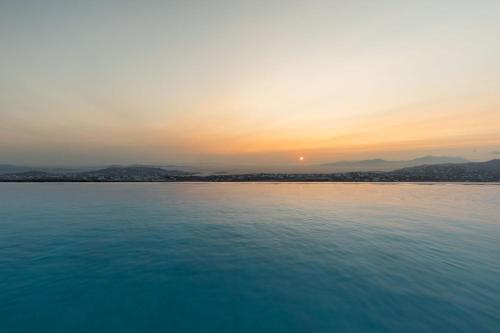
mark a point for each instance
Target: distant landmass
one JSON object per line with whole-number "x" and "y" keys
{"x": 384, "y": 165}
{"x": 464, "y": 171}
{"x": 114, "y": 173}
{"x": 344, "y": 166}
{"x": 449, "y": 172}
{"x": 11, "y": 168}
{"x": 138, "y": 172}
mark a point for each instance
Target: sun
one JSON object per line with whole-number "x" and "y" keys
{"x": 301, "y": 158}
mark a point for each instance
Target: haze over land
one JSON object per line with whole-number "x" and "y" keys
{"x": 207, "y": 168}
{"x": 248, "y": 83}
{"x": 445, "y": 172}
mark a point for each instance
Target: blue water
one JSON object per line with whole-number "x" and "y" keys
{"x": 198, "y": 257}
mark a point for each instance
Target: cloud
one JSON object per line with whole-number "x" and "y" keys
{"x": 496, "y": 152}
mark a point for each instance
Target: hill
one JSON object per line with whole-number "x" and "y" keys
{"x": 385, "y": 165}
{"x": 474, "y": 171}
{"x": 115, "y": 173}
{"x": 130, "y": 173}
{"x": 9, "y": 168}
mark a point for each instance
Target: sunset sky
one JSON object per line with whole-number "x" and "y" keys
{"x": 250, "y": 82}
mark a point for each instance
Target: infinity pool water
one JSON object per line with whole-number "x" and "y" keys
{"x": 244, "y": 257}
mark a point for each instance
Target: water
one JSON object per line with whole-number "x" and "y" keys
{"x": 199, "y": 257}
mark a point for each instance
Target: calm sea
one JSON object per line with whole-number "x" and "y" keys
{"x": 242, "y": 257}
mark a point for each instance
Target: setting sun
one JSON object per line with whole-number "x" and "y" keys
{"x": 301, "y": 158}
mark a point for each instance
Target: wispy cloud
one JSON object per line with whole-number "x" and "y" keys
{"x": 496, "y": 152}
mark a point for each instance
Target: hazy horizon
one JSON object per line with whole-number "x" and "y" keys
{"x": 248, "y": 82}
{"x": 333, "y": 165}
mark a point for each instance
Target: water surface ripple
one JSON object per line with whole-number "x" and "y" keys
{"x": 243, "y": 257}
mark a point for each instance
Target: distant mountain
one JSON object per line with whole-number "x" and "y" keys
{"x": 143, "y": 172}
{"x": 114, "y": 173}
{"x": 28, "y": 176}
{"x": 475, "y": 171}
{"x": 437, "y": 160}
{"x": 12, "y": 169}
{"x": 9, "y": 168}
{"x": 384, "y": 165}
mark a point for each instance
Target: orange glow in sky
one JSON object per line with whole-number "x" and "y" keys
{"x": 248, "y": 82}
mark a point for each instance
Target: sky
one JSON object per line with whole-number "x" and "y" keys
{"x": 247, "y": 82}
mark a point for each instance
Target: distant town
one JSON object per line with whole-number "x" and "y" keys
{"x": 447, "y": 172}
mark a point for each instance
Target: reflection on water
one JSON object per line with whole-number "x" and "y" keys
{"x": 216, "y": 257}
